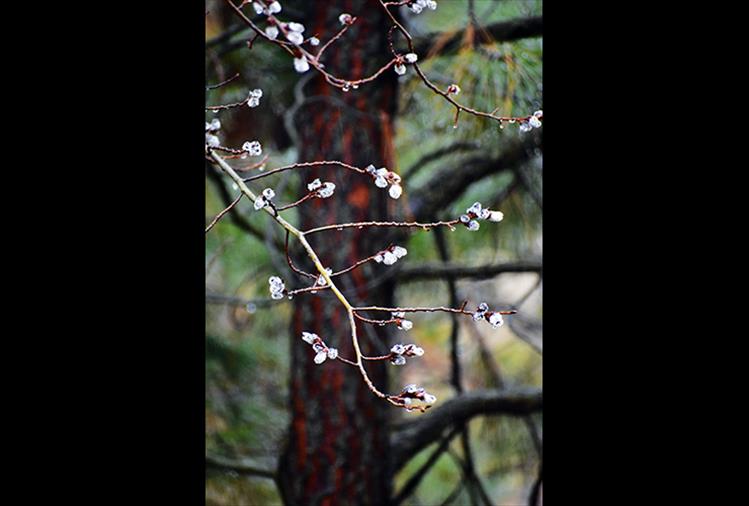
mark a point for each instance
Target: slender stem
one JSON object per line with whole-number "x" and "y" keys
{"x": 222, "y": 83}
{"x": 304, "y": 164}
{"x": 320, "y": 268}
{"x": 397, "y": 224}
{"x": 294, "y": 204}
{"x": 354, "y": 266}
{"x": 222, "y": 213}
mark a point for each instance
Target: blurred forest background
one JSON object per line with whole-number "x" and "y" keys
{"x": 248, "y": 335}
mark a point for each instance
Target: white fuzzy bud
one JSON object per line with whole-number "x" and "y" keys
{"x": 301, "y": 65}
{"x": 395, "y": 191}
{"x": 274, "y": 8}
{"x": 314, "y": 41}
{"x": 212, "y": 140}
{"x": 411, "y": 57}
{"x": 345, "y": 19}
{"x": 321, "y": 279}
{"x": 496, "y": 320}
{"x": 295, "y": 37}
{"x": 496, "y": 216}
{"x": 400, "y": 251}
{"x": 327, "y": 190}
{"x": 381, "y": 182}
{"x": 309, "y": 337}
{"x": 295, "y": 27}
{"x": 272, "y": 32}
{"x": 254, "y": 148}
{"x": 320, "y": 357}
{"x": 475, "y": 209}
{"x": 400, "y": 69}
{"x": 389, "y": 258}
{"x": 268, "y": 193}
{"x": 332, "y": 353}
{"x": 314, "y": 185}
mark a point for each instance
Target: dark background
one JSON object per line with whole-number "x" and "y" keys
{"x": 115, "y": 416}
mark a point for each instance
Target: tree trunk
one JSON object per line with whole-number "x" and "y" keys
{"x": 337, "y": 452}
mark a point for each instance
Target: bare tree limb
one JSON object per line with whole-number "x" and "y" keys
{"x": 410, "y": 438}
{"x": 427, "y": 271}
{"x": 533, "y": 499}
{"x": 437, "y": 154}
{"x": 240, "y": 467}
{"x": 454, "y": 494}
{"x": 503, "y": 31}
{"x": 449, "y": 182}
{"x": 416, "y": 478}
{"x": 456, "y": 376}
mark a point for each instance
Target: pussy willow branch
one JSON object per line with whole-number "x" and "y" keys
{"x": 329, "y": 284}
{"x": 296, "y": 51}
{"x": 345, "y": 84}
{"x": 227, "y": 106}
{"x": 460, "y": 310}
{"x": 358, "y": 362}
{"x": 397, "y": 224}
{"x": 303, "y": 165}
{"x": 434, "y": 88}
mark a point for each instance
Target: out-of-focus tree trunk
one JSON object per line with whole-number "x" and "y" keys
{"x": 337, "y": 452}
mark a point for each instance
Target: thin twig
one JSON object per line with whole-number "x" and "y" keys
{"x": 222, "y": 83}
{"x": 222, "y": 213}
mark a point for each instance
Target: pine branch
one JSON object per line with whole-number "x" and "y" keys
{"x": 410, "y": 438}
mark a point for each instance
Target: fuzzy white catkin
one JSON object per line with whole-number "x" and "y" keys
{"x": 295, "y": 37}
{"x": 395, "y": 191}
{"x": 301, "y": 65}
{"x": 272, "y": 32}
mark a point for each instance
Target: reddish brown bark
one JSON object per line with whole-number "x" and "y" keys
{"x": 337, "y": 452}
